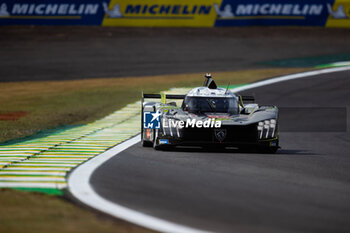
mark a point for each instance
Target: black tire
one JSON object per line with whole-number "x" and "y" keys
{"x": 146, "y": 143}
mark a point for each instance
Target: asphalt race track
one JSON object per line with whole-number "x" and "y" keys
{"x": 303, "y": 188}
{"x": 73, "y": 52}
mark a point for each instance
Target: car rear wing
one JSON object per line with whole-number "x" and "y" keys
{"x": 162, "y": 96}
{"x": 159, "y": 96}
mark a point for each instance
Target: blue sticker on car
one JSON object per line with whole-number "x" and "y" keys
{"x": 163, "y": 141}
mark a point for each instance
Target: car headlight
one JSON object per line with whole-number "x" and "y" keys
{"x": 267, "y": 128}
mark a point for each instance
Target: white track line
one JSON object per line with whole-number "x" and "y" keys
{"x": 289, "y": 77}
{"x": 79, "y": 180}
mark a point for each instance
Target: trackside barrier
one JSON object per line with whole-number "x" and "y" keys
{"x": 176, "y": 13}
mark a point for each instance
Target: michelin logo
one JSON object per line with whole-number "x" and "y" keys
{"x": 337, "y": 14}
{"x": 49, "y": 9}
{"x": 269, "y": 9}
{"x": 114, "y": 13}
{"x": 3, "y": 10}
{"x": 226, "y": 13}
{"x": 156, "y": 9}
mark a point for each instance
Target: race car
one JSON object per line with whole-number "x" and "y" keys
{"x": 209, "y": 116}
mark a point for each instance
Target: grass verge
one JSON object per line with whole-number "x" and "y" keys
{"x": 36, "y": 212}
{"x": 49, "y": 104}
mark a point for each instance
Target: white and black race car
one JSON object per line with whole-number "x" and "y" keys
{"x": 209, "y": 116}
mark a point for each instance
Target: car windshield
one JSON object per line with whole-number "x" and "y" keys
{"x": 211, "y": 104}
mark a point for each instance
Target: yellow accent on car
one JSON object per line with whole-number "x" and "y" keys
{"x": 163, "y": 98}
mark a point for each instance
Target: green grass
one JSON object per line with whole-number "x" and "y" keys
{"x": 52, "y": 104}
{"x": 48, "y": 191}
{"x": 40, "y": 213}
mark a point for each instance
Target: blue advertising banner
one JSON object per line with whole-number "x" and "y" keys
{"x": 52, "y": 12}
{"x": 273, "y": 12}
{"x": 176, "y": 13}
